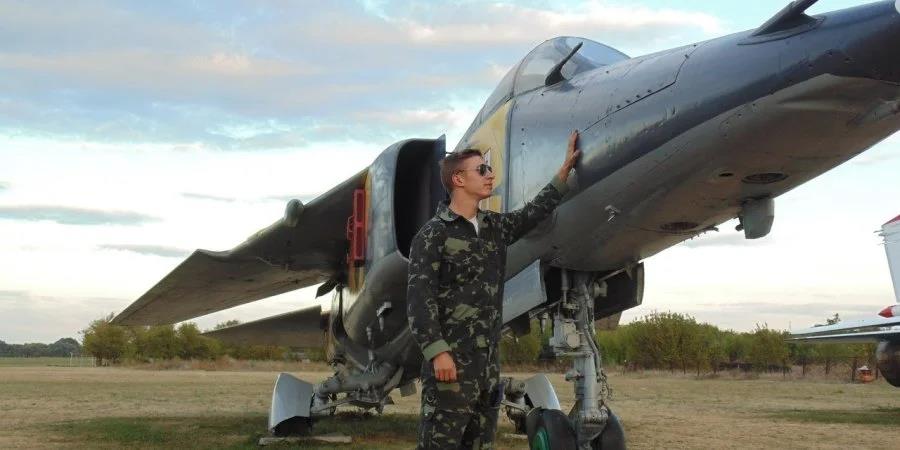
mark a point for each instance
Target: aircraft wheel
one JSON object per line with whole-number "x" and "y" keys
{"x": 295, "y": 426}
{"x": 549, "y": 429}
{"x": 612, "y": 437}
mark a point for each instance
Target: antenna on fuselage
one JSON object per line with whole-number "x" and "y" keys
{"x": 555, "y": 74}
{"x": 790, "y": 16}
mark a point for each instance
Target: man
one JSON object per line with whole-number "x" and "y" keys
{"x": 455, "y": 298}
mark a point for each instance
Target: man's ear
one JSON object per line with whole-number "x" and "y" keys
{"x": 458, "y": 180}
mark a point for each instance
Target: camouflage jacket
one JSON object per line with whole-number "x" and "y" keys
{"x": 456, "y": 279}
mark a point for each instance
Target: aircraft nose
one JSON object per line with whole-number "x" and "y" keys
{"x": 877, "y": 44}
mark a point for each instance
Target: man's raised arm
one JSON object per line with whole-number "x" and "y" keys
{"x": 516, "y": 223}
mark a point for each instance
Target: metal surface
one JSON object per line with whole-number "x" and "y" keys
{"x": 523, "y": 292}
{"x": 541, "y": 393}
{"x": 279, "y": 258}
{"x": 292, "y": 329}
{"x": 756, "y": 217}
{"x": 291, "y": 398}
{"x": 891, "y": 234}
{"x": 573, "y": 336}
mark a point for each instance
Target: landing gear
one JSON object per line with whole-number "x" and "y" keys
{"x": 590, "y": 424}
{"x": 549, "y": 429}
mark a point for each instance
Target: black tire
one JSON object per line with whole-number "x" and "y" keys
{"x": 549, "y": 429}
{"x": 295, "y": 426}
{"x": 612, "y": 437}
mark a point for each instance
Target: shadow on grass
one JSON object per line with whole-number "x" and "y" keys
{"x": 386, "y": 432}
{"x": 875, "y": 416}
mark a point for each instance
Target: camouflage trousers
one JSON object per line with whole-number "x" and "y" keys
{"x": 451, "y": 430}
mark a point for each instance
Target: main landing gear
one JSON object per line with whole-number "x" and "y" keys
{"x": 532, "y": 404}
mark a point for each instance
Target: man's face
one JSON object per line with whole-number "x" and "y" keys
{"x": 471, "y": 181}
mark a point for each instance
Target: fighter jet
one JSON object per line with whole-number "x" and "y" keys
{"x": 883, "y": 329}
{"x": 673, "y": 144}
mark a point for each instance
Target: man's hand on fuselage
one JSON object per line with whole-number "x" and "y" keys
{"x": 444, "y": 367}
{"x": 572, "y": 154}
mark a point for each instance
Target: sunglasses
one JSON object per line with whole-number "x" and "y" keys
{"x": 483, "y": 169}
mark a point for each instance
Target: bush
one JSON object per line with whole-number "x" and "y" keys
{"x": 105, "y": 341}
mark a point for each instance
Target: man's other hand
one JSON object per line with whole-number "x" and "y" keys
{"x": 572, "y": 154}
{"x": 444, "y": 367}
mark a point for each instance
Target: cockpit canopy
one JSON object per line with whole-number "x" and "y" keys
{"x": 530, "y": 73}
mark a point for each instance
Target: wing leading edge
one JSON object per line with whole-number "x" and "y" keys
{"x": 302, "y": 328}
{"x": 867, "y": 330}
{"x": 290, "y": 254}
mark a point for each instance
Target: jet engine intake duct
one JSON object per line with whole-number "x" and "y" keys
{"x": 887, "y": 355}
{"x": 622, "y": 291}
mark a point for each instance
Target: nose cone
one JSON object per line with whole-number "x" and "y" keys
{"x": 872, "y": 39}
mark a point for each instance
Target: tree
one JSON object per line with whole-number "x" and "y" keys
{"x": 162, "y": 342}
{"x": 226, "y": 324}
{"x": 767, "y": 348}
{"x": 194, "y": 345}
{"x": 525, "y": 348}
{"x": 802, "y": 354}
{"x": 64, "y": 347}
{"x": 104, "y": 341}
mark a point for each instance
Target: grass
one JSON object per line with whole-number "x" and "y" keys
{"x": 162, "y": 432}
{"x": 107, "y": 407}
{"x": 387, "y": 432}
{"x": 874, "y": 416}
{"x": 15, "y": 361}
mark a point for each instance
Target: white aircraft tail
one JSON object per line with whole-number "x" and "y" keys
{"x": 891, "y": 234}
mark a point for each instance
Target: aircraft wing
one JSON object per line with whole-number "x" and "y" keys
{"x": 307, "y": 247}
{"x": 301, "y": 328}
{"x": 866, "y": 330}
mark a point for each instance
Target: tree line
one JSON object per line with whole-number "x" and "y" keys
{"x": 660, "y": 341}
{"x": 677, "y": 342}
{"x": 111, "y": 344}
{"x": 62, "y": 347}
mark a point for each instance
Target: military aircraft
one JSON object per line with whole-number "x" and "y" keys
{"x": 673, "y": 144}
{"x": 883, "y": 329}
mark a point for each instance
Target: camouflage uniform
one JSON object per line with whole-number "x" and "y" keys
{"x": 454, "y": 303}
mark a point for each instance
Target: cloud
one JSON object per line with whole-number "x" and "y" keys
{"x": 507, "y": 23}
{"x": 726, "y": 240}
{"x": 156, "y": 250}
{"x": 127, "y": 72}
{"x": 4, "y": 186}
{"x": 217, "y": 198}
{"x": 29, "y": 317}
{"x": 73, "y": 216}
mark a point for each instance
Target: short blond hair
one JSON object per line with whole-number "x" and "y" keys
{"x": 451, "y": 164}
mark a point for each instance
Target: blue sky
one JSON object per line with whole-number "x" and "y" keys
{"x": 133, "y": 132}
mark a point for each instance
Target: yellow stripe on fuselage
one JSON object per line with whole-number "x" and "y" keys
{"x": 490, "y": 139}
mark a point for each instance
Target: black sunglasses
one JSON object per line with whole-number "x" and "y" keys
{"x": 483, "y": 169}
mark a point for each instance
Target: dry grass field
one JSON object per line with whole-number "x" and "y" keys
{"x": 83, "y": 407}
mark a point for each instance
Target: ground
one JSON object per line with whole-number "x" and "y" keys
{"x": 51, "y": 406}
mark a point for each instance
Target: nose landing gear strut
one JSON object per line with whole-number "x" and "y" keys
{"x": 590, "y": 424}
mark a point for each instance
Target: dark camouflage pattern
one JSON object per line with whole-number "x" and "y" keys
{"x": 454, "y": 303}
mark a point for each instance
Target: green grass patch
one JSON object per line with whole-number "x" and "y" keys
{"x": 386, "y": 432}
{"x": 43, "y": 361}
{"x": 164, "y": 432}
{"x": 875, "y": 416}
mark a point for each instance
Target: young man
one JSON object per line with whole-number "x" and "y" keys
{"x": 455, "y": 298}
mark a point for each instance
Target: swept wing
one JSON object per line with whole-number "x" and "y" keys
{"x": 306, "y": 247}
{"x": 300, "y": 328}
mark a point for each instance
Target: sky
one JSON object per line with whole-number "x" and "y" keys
{"x": 132, "y": 133}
